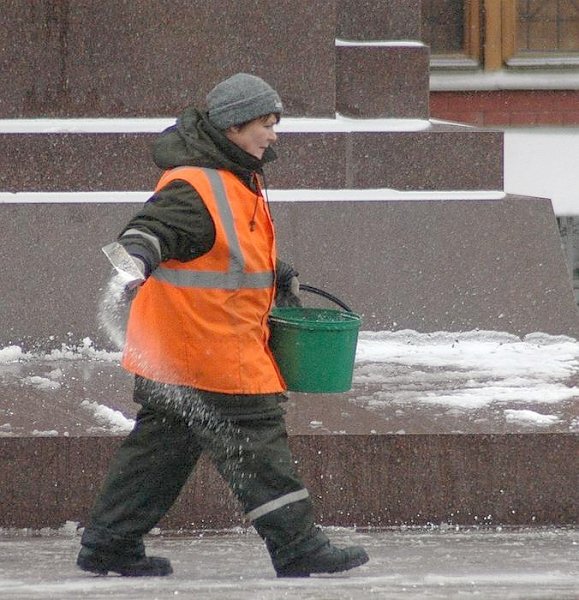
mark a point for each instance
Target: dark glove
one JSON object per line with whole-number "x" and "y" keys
{"x": 287, "y": 286}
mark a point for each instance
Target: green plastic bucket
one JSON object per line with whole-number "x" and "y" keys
{"x": 314, "y": 347}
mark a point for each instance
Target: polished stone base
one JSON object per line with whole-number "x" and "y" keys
{"x": 356, "y": 480}
{"x": 364, "y": 467}
{"x": 440, "y": 157}
{"x": 444, "y": 265}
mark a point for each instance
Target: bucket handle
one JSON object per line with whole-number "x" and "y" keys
{"x": 314, "y": 290}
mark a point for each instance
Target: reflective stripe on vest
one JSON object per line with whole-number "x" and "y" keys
{"x": 235, "y": 277}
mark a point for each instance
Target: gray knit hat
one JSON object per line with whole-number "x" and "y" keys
{"x": 241, "y": 98}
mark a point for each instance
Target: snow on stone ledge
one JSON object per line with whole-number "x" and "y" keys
{"x": 295, "y": 195}
{"x": 339, "y": 124}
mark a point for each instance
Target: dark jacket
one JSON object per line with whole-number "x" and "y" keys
{"x": 176, "y": 215}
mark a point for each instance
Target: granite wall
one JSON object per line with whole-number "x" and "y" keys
{"x": 115, "y": 58}
{"x": 427, "y": 266}
{"x": 363, "y": 481}
{"x": 454, "y": 263}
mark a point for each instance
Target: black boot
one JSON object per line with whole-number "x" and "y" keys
{"x": 327, "y": 559}
{"x": 101, "y": 563}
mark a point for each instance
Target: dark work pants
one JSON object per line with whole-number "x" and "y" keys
{"x": 245, "y": 438}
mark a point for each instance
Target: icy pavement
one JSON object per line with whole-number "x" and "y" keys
{"x": 405, "y": 564}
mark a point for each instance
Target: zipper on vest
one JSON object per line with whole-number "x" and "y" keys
{"x": 257, "y": 184}
{"x": 261, "y": 187}
{"x": 252, "y": 221}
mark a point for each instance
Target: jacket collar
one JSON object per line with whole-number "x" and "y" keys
{"x": 195, "y": 141}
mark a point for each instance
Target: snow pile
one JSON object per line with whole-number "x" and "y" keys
{"x": 44, "y": 383}
{"x": 468, "y": 370}
{"x": 85, "y": 350}
{"x": 10, "y": 354}
{"x": 47, "y": 433}
{"x": 114, "y": 420}
{"x": 531, "y": 417}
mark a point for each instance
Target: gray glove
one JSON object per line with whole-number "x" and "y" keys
{"x": 131, "y": 270}
{"x": 132, "y": 287}
{"x": 287, "y": 285}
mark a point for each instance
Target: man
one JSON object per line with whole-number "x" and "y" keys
{"x": 197, "y": 342}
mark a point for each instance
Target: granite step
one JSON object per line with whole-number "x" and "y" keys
{"x": 401, "y": 154}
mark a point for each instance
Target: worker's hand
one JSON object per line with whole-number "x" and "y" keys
{"x": 123, "y": 286}
{"x": 131, "y": 270}
{"x": 287, "y": 286}
{"x": 131, "y": 287}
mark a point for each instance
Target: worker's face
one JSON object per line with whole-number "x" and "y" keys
{"x": 254, "y": 137}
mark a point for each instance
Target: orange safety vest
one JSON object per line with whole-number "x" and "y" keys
{"x": 203, "y": 323}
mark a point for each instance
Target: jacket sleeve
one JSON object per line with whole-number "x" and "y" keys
{"x": 173, "y": 224}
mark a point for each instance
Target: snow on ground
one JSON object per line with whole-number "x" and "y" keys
{"x": 455, "y": 371}
{"x": 115, "y": 419}
{"x": 530, "y": 416}
{"x": 471, "y": 370}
